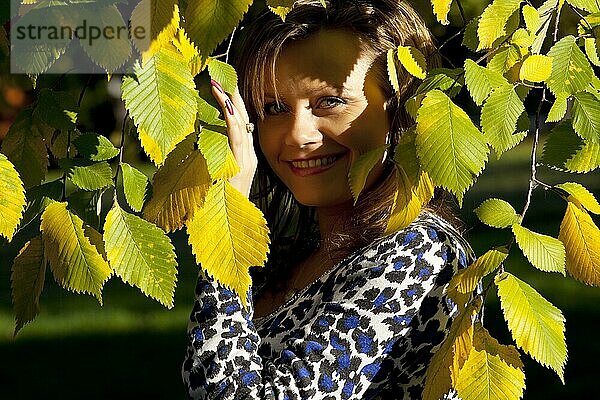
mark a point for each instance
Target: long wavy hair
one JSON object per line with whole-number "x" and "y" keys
{"x": 381, "y": 25}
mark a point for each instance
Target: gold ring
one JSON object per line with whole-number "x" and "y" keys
{"x": 250, "y": 127}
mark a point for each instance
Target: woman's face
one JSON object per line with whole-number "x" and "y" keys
{"x": 330, "y": 105}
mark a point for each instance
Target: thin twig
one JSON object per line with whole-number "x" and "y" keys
{"x": 229, "y": 45}
{"x": 558, "y": 11}
{"x": 462, "y": 12}
{"x": 121, "y": 147}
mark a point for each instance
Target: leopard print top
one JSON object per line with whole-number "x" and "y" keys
{"x": 366, "y": 329}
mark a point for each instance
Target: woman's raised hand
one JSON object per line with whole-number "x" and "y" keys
{"x": 240, "y": 140}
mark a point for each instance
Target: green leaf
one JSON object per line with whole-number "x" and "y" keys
{"x": 522, "y": 38}
{"x": 95, "y": 147}
{"x": 162, "y": 101}
{"x": 39, "y": 197}
{"x": 136, "y": 186}
{"x": 499, "y": 117}
{"x": 56, "y": 109}
{"x": 450, "y": 81}
{"x": 413, "y": 61}
{"x": 579, "y": 194}
{"x": 491, "y": 371}
{"x": 12, "y": 198}
{"x": 497, "y": 213}
{"x": 58, "y": 141}
{"x": 505, "y": 59}
{"x": 481, "y": 81}
{"x": 179, "y": 188}
{"x": 470, "y": 39}
{"x": 546, "y": 11}
{"x": 543, "y": 252}
{"x": 405, "y": 156}
{"x": 449, "y": 146}
{"x": 209, "y": 22}
{"x": 536, "y": 68}
{"x": 87, "y": 175}
{"x": 27, "y": 282}
{"x": 564, "y": 150}
{"x": 591, "y": 47}
{"x": 571, "y": 71}
{"x": 220, "y": 160}
{"x": 559, "y": 108}
{"x": 281, "y": 7}
{"x": 536, "y": 325}
{"x": 441, "y": 8}
{"x": 24, "y": 146}
{"x": 361, "y": 167}
{"x": 209, "y": 114}
{"x": 110, "y": 53}
{"x": 532, "y": 18}
{"x": 492, "y": 23}
{"x": 74, "y": 251}
{"x": 141, "y": 254}
{"x": 87, "y": 205}
{"x": 588, "y": 5}
{"x": 223, "y": 73}
{"x": 586, "y": 116}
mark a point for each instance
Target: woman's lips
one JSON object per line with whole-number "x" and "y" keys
{"x": 315, "y": 170}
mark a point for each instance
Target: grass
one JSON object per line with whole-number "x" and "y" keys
{"x": 132, "y": 346}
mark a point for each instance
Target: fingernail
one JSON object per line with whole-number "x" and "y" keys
{"x": 229, "y": 106}
{"x": 217, "y": 85}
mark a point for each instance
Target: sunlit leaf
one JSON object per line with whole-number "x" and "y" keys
{"x": 281, "y": 7}
{"x": 571, "y": 71}
{"x": 581, "y": 238}
{"x": 543, "y": 252}
{"x": 27, "y": 282}
{"x": 228, "y": 234}
{"x": 441, "y": 8}
{"x": 492, "y": 23}
{"x": 588, "y": 5}
{"x": 565, "y": 150}
{"x": 87, "y": 175}
{"x": 499, "y": 117}
{"x": 392, "y": 70}
{"x": 466, "y": 280}
{"x": 586, "y": 116}
{"x": 141, "y": 254}
{"x": 153, "y": 14}
{"x": 223, "y": 73}
{"x": 481, "y": 81}
{"x": 532, "y": 18}
{"x": 497, "y": 213}
{"x": 74, "y": 251}
{"x": 536, "y": 325}
{"x": 579, "y": 194}
{"x": 505, "y": 59}
{"x": 136, "y": 187}
{"x": 361, "y": 167}
{"x": 12, "y": 198}
{"x": 450, "y": 148}
{"x": 491, "y": 371}
{"x": 413, "y": 61}
{"x": 536, "y": 68}
{"x": 559, "y": 108}
{"x": 95, "y": 147}
{"x": 220, "y": 160}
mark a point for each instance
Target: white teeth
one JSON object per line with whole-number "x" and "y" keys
{"x": 314, "y": 163}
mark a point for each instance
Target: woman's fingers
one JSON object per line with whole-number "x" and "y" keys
{"x": 240, "y": 139}
{"x": 238, "y": 103}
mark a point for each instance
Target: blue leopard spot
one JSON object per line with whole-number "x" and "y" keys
{"x": 287, "y": 355}
{"x": 248, "y": 377}
{"x": 313, "y": 346}
{"x": 337, "y": 345}
{"x": 377, "y": 268}
{"x": 348, "y": 389}
{"x": 370, "y": 370}
{"x": 344, "y": 361}
{"x": 380, "y": 300}
{"x": 424, "y": 272}
{"x": 303, "y": 373}
{"x": 365, "y": 343}
{"x": 230, "y": 309}
{"x": 402, "y": 319}
{"x": 432, "y": 233}
{"x": 323, "y": 322}
{"x": 351, "y": 322}
{"x": 326, "y": 382}
{"x": 227, "y": 292}
{"x": 398, "y": 265}
{"x": 388, "y": 347}
{"x": 410, "y": 236}
{"x": 419, "y": 256}
{"x": 248, "y": 345}
{"x": 411, "y": 292}
{"x": 198, "y": 335}
{"x": 462, "y": 259}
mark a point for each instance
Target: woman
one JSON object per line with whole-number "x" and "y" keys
{"x": 353, "y": 314}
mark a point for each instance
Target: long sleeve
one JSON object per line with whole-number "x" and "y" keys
{"x": 368, "y": 329}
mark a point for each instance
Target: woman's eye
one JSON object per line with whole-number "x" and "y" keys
{"x": 274, "y": 108}
{"x": 330, "y": 102}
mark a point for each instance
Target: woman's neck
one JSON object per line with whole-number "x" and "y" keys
{"x": 333, "y": 220}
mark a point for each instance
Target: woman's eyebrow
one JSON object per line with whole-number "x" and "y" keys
{"x": 341, "y": 90}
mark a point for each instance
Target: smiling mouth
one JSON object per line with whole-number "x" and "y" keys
{"x": 314, "y": 166}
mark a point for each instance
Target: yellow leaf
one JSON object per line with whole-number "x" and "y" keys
{"x": 153, "y": 14}
{"x": 543, "y": 252}
{"x": 74, "y": 251}
{"x": 408, "y": 200}
{"x": 536, "y": 68}
{"x": 441, "y": 8}
{"x": 413, "y": 60}
{"x": 166, "y": 35}
{"x": 466, "y": 280}
{"x": 532, "y": 18}
{"x": 579, "y": 194}
{"x": 219, "y": 157}
{"x": 179, "y": 188}
{"x": 185, "y": 46}
{"x": 450, "y": 357}
{"x": 281, "y": 7}
{"x": 392, "y": 71}
{"x": 492, "y": 371}
{"x": 228, "y": 235}
{"x": 536, "y": 325}
{"x": 27, "y": 281}
{"x": 12, "y": 198}
{"x": 581, "y": 238}
{"x": 361, "y": 167}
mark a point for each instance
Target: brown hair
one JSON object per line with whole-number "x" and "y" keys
{"x": 381, "y": 25}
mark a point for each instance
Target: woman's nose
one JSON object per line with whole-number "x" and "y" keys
{"x": 303, "y": 128}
